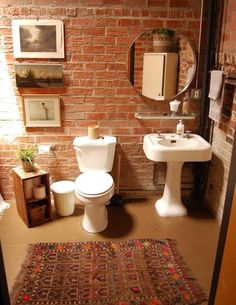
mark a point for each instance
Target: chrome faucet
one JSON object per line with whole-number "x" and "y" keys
{"x": 187, "y": 134}
{"x": 159, "y": 135}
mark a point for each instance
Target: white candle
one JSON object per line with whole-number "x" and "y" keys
{"x": 93, "y": 131}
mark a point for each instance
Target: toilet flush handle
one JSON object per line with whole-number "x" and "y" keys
{"x": 78, "y": 150}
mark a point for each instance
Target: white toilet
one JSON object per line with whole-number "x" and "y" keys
{"x": 95, "y": 187}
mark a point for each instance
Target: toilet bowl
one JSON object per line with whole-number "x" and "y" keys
{"x": 94, "y": 190}
{"x": 94, "y": 187}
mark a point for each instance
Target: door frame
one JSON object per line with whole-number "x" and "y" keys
{"x": 224, "y": 224}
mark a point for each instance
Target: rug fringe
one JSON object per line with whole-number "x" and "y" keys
{"x": 187, "y": 272}
{"x": 21, "y": 274}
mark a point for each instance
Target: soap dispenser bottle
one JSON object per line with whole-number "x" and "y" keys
{"x": 180, "y": 128}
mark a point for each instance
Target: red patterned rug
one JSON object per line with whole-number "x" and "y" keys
{"x": 134, "y": 272}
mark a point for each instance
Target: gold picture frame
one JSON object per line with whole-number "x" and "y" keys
{"x": 36, "y": 38}
{"x": 41, "y": 110}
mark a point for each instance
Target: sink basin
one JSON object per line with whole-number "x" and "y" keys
{"x": 181, "y": 142}
{"x": 174, "y": 148}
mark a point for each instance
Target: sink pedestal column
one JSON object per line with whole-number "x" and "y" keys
{"x": 170, "y": 204}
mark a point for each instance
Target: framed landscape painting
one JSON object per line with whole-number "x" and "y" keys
{"x": 38, "y": 76}
{"x": 41, "y": 110}
{"x": 34, "y": 38}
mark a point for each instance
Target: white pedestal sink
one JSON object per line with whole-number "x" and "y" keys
{"x": 175, "y": 151}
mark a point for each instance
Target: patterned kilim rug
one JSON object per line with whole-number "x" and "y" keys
{"x": 134, "y": 272}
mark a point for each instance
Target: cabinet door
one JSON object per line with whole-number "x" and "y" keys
{"x": 153, "y": 73}
{"x": 170, "y": 75}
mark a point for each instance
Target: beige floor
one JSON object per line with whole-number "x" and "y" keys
{"x": 196, "y": 234}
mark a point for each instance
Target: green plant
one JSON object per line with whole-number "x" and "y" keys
{"x": 164, "y": 31}
{"x": 26, "y": 154}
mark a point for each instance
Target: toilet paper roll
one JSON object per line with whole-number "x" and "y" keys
{"x": 28, "y": 183}
{"x": 39, "y": 191}
{"x": 28, "y": 192}
{"x": 36, "y": 181}
{"x": 93, "y": 131}
{"x": 28, "y": 188}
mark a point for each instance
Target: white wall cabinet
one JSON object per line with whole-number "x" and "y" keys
{"x": 159, "y": 75}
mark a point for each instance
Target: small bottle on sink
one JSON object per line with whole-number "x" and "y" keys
{"x": 180, "y": 128}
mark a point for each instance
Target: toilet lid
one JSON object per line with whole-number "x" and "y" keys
{"x": 94, "y": 183}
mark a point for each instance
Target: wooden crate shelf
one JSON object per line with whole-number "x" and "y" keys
{"x": 23, "y": 204}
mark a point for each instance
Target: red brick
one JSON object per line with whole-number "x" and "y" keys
{"x": 103, "y": 11}
{"x": 81, "y": 22}
{"x": 82, "y": 75}
{"x": 116, "y": 31}
{"x": 112, "y": 2}
{"x": 105, "y": 58}
{"x": 95, "y": 66}
{"x": 104, "y": 74}
{"x": 80, "y": 91}
{"x": 116, "y": 49}
{"x": 122, "y": 12}
{"x": 93, "y": 49}
{"x": 177, "y": 24}
{"x": 135, "y": 3}
{"x": 121, "y": 131}
{"x": 129, "y": 22}
{"x": 104, "y": 91}
{"x": 105, "y": 22}
{"x": 75, "y": 58}
{"x": 94, "y": 31}
{"x": 117, "y": 116}
{"x": 125, "y": 91}
{"x": 79, "y": 107}
{"x": 157, "y": 3}
{"x": 90, "y": 2}
{"x": 179, "y": 3}
{"x": 104, "y": 83}
{"x": 96, "y": 116}
{"x": 104, "y": 40}
{"x": 116, "y": 67}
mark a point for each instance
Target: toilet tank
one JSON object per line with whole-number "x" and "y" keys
{"x": 95, "y": 154}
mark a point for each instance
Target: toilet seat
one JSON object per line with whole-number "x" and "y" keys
{"x": 94, "y": 184}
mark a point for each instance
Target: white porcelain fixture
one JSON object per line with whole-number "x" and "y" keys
{"x": 94, "y": 187}
{"x": 175, "y": 150}
{"x": 174, "y": 106}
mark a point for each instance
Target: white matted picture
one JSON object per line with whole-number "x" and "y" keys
{"x": 41, "y": 110}
{"x": 34, "y": 38}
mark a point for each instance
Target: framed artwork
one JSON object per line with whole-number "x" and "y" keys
{"x": 41, "y": 110}
{"x": 38, "y": 76}
{"x": 34, "y": 38}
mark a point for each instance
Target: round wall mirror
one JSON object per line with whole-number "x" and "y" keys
{"x": 161, "y": 64}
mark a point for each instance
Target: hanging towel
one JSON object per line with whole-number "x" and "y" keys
{"x": 215, "y": 109}
{"x": 222, "y": 107}
{"x": 215, "y": 95}
{"x": 216, "y": 82}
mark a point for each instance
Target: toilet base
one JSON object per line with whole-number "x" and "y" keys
{"x": 95, "y": 218}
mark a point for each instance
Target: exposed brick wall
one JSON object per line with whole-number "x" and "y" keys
{"x": 98, "y": 34}
{"x": 224, "y": 128}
